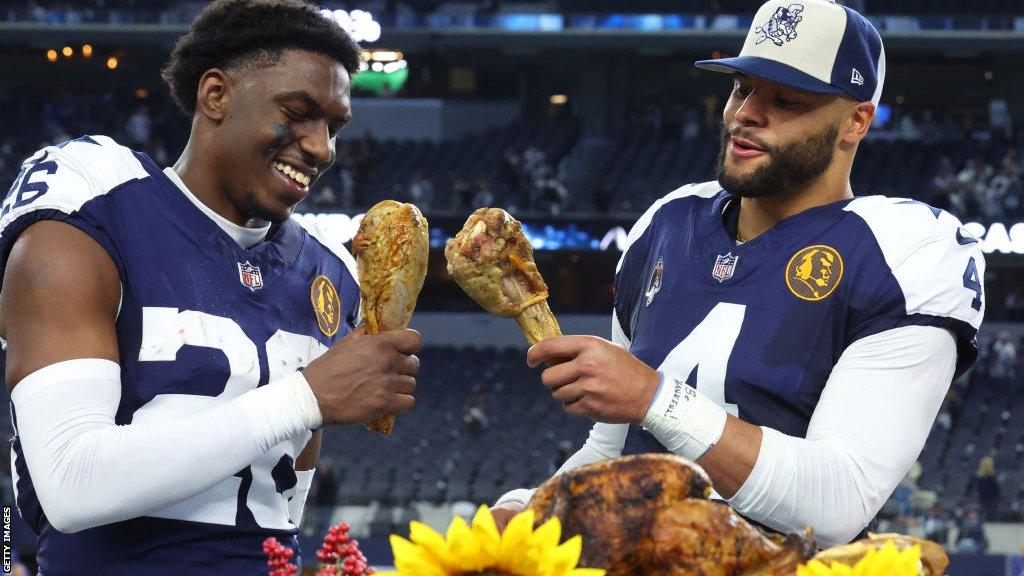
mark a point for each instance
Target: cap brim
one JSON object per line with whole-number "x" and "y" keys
{"x": 769, "y": 70}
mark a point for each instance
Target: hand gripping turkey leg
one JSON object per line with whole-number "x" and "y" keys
{"x": 492, "y": 261}
{"x": 391, "y": 250}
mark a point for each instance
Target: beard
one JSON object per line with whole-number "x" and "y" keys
{"x": 790, "y": 167}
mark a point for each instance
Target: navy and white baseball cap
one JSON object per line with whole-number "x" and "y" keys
{"x": 813, "y": 45}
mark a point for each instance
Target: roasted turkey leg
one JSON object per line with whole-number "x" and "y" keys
{"x": 391, "y": 250}
{"x": 492, "y": 261}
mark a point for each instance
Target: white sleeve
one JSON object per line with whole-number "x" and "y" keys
{"x": 87, "y": 471}
{"x": 867, "y": 430}
{"x": 604, "y": 442}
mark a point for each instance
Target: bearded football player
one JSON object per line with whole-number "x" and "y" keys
{"x": 793, "y": 340}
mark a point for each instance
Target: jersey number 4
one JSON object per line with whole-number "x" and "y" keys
{"x": 707, "y": 350}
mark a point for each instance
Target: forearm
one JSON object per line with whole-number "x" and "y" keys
{"x": 867, "y": 429}
{"x": 310, "y": 455}
{"x": 88, "y": 471}
{"x": 730, "y": 461}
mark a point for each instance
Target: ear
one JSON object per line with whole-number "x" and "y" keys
{"x": 861, "y": 115}
{"x": 212, "y": 95}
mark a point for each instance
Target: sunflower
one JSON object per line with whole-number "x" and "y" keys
{"x": 479, "y": 549}
{"x": 884, "y": 561}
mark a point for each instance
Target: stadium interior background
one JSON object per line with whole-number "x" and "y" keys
{"x": 575, "y": 115}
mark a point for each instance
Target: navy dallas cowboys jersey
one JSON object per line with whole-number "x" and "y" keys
{"x": 758, "y": 327}
{"x": 201, "y": 321}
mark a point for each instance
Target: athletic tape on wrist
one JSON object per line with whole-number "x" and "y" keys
{"x": 684, "y": 420}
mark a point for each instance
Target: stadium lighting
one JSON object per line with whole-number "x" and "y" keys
{"x": 386, "y": 55}
{"x": 359, "y": 23}
{"x": 112, "y": 62}
{"x": 51, "y": 55}
{"x": 377, "y": 67}
{"x": 87, "y": 50}
{"x": 559, "y": 99}
{"x": 68, "y": 51}
{"x": 391, "y": 67}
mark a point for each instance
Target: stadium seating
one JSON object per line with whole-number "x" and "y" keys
{"x": 434, "y": 456}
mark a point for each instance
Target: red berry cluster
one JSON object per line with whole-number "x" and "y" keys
{"x": 279, "y": 558}
{"x": 339, "y": 547}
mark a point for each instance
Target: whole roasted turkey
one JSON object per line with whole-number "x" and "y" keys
{"x": 391, "y": 250}
{"x": 650, "y": 514}
{"x": 491, "y": 259}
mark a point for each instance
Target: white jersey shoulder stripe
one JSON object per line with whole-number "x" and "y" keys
{"x": 314, "y": 228}
{"x": 928, "y": 253}
{"x": 72, "y": 174}
{"x": 702, "y": 190}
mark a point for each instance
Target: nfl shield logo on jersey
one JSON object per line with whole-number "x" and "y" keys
{"x": 724, "y": 267}
{"x": 250, "y": 276}
{"x": 655, "y": 284}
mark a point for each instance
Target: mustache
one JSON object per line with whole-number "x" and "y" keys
{"x": 739, "y": 132}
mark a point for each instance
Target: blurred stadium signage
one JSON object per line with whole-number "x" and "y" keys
{"x": 359, "y": 23}
{"x": 610, "y": 234}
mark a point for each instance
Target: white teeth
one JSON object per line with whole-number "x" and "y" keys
{"x": 292, "y": 173}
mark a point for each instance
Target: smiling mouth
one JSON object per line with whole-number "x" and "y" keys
{"x": 744, "y": 148}
{"x": 295, "y": 175}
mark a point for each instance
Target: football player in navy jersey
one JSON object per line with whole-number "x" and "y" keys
{"x": 173, "y": 338}
{"x": 795, "y": 341}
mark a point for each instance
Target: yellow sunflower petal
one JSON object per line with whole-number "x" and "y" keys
{"x": 516, "y": 533}
{"x": 486, "y": 533}
{"x": 463, "y": 545}
{"x": 411, "y": 560}
{"x": 548, "y": 534}
{"x": 433, "y": 543}
{"x": 512, "y": 551}
{"x": 563, "y": 559}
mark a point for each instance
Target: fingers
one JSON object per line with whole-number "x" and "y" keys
{"x": 405, "y": 341}
{"x": 402, "y": 384}
{"x": 560, "y": 375}
{"x": 569, "y": 394}
{"x": 556, "y": 348}
{"x": 402, "y": 403}
{"x": 409, "y": 365}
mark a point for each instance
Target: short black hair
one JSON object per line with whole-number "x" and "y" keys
{"x": 234, "y": 33}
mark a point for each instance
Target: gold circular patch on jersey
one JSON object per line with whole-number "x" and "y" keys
{"x": 326, "y": 305}
{"x": 814, "y": 272}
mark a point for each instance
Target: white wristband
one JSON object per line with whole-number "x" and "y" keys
{"x": 684, "y": 420}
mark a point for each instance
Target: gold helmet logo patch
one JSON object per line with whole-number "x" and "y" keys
{"x": 326, "y": 305}
{"x": 814, "y": 272}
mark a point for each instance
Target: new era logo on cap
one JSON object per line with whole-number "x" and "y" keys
{"x": 813, "y": 45}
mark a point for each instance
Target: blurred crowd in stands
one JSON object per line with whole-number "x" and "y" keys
{"x": 975, "y": 432}
{"x": 972, "y": 164}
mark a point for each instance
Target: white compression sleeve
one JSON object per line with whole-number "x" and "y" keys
{"x": 87, "y": 471}
{"x": 297, "y": 503}
{"x": 869, "y": 426}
